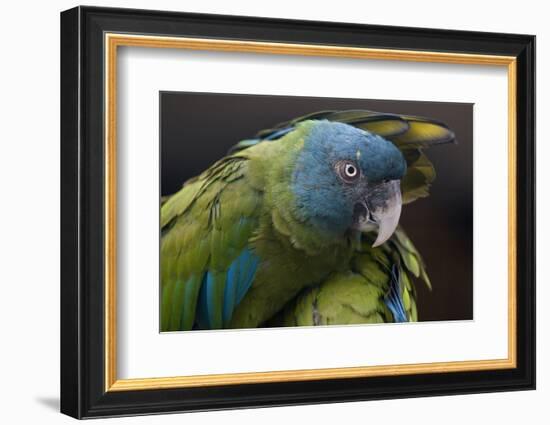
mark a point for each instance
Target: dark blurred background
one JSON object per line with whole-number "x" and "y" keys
{"x": 199, "y": 128}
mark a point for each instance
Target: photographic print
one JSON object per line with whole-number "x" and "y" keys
{"x": 283, "y": 211}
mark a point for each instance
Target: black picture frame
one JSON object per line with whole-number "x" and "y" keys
{"x": 83, "y": 392}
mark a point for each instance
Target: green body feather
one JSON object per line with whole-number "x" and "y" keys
{"x": 356, "y": 295}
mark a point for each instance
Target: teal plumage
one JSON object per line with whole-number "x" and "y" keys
{"x": 283, "y": 219}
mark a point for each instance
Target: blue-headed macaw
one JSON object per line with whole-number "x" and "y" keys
{"x": 300, "y": 226}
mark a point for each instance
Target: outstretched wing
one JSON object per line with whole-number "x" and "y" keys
{"x": 207, "y": 265}
{"x": 377, "y": 288}
{"x": 410, "y": 134}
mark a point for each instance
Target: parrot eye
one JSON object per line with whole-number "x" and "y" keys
{"x": 347, "y": 171}
{"x": 350, "y": 170}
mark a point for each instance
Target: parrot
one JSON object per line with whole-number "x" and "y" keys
{"x": 299, "y": 226}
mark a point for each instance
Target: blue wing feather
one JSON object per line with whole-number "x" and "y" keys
{"x": 279, "y": 133}
{"x": 243, "y": 144}
{"x": 238, "y": 280}
{"x": 393, "y": 300}
{"x": 203, "y": 313}
{"x": 230, "y": 294}
{"x": 248, "y": 264}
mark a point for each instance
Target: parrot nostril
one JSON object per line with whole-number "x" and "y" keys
{"x": 370, "y": 217}
{"x": 360, "y": 211}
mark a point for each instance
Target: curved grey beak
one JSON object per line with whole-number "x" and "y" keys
{"x": 383, "y": 211}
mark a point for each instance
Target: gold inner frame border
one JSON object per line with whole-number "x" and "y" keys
{"x": 113, "y": 40}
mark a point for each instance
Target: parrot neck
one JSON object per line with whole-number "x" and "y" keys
{"x": 310, "y": 239}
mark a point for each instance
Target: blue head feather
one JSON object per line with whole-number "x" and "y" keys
{"x": 321, "y": 197}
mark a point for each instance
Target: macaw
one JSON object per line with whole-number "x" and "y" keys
{"x": 300, "y": 226}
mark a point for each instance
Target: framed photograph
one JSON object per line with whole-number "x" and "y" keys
{"x": 261, "y": 212}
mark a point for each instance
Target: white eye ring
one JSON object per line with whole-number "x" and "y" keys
{"x": 350, "y": 170}
{"x": 347, "y": 171}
